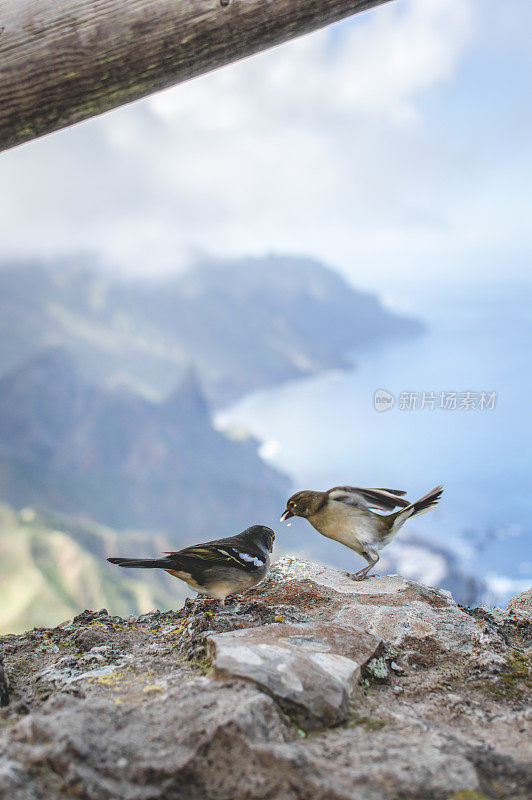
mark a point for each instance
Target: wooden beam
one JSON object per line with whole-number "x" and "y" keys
{"x": 62, "y": 61}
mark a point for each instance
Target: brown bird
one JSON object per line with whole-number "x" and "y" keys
{"x": 344, "y": 513}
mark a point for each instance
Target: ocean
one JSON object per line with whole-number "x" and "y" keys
{"x": 325, "y": 430}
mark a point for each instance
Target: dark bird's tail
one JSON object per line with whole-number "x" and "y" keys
{"x": 140, "y": 563}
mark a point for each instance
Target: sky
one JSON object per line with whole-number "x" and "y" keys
{"x": 394, "y": 146}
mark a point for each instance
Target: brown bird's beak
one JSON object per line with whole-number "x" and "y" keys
{"x": 286, "y": 515}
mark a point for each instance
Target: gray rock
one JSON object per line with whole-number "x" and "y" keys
{"x": 401, "y": 612}
{"x": 4, "y": 686}
{"x": 311, "y": 670}
{"x": 521, "y": 604}
{"x": 192, "y": 704}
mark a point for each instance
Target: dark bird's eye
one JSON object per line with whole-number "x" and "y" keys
{"x": 291, "y": 504}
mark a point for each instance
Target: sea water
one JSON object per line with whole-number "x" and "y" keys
{"x": 325, "y": 430}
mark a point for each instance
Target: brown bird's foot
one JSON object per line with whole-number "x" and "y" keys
{"x": 361, "y": 575}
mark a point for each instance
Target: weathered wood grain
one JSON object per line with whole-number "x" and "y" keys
{"x": 62, "y": 61}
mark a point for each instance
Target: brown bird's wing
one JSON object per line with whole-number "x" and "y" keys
{"x": 379, "y": 499}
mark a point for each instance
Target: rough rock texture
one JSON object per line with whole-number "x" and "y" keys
{"x": 521, "y": 605}
{"x": 318, "y": 687}
{"x": 311, "y": 670}
{"x": 4, "y": 688}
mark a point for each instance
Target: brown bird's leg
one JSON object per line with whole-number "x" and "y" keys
{"x": 371, "y": 557}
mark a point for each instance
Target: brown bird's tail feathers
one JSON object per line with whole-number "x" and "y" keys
{"x": 138, "y": 563}
{"x": 425, "y": 503}
{"x": 421, "y": 506}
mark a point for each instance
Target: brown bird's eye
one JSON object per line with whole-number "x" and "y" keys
{"x": 291, "y": 504}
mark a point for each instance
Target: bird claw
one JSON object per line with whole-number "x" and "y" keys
{"x": 234, "y": 598}
{"x": 196, "y": 603}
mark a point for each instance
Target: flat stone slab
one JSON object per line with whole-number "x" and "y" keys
{"x": 392, "y": 608}
{"x": 312, "y": 670}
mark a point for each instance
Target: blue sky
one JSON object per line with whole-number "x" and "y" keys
{"x": 395, "y": 146}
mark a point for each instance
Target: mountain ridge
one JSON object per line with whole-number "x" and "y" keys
{"x": 244, "y": 324}
{"x": 123, "y": 460}
{"x": 51, "y": 566}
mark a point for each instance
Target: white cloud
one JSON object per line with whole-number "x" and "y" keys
{"x": 374, "y": 64}
{"x": 322, "y": 146}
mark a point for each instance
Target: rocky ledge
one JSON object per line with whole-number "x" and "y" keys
{"x": 315, "y": 687}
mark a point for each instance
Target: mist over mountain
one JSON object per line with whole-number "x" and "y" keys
{"x": 106, "y": 384}
{"x": 244, "y": 324}
{"x": 125, "y": 461}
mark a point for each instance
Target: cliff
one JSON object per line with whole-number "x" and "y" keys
{"x": 52, "y": 567}
{"x": 122, "y": 460}
{"x": 244, "y": 324}
{"x": 314, "y": 687}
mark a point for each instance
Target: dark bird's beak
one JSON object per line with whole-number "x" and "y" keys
{"x": 286, "y": 515}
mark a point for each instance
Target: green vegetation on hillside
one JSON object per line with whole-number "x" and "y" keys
{"x": 52, "y": 569}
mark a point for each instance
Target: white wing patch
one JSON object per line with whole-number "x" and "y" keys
{"x": 258, "y": 562}
{"x": 245, "y": 557}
